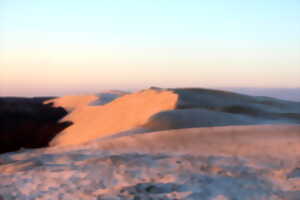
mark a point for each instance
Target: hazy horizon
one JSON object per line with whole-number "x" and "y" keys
{"x": 291, "y": 94}
{"x": 67, "y": 47}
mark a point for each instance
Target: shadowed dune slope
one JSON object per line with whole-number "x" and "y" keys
{"x": 204, "y": 108}
{"x": 222, "y": 100}
{"x": 162, "y": 109}
{"x": 107, "y": 96}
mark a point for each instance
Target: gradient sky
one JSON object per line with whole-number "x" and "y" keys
{"x": 60, "y": 47}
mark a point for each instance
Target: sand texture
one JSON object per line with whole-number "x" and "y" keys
{"x": 245, "y": 162}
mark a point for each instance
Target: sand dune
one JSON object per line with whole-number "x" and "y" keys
{"x": 124, "y": 113}
{"x": 103, "y": 154}
{"x": 115, "y": 113}
{"x": 238, "y": 162}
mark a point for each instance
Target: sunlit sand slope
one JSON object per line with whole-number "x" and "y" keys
{"x": 124, "y": 113}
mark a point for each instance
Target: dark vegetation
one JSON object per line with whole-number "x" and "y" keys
{"x": 28, "y": 123}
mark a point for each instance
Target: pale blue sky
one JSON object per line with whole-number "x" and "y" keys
{"x": 68, "y": 46}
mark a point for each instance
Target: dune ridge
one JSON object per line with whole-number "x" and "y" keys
{"x": 72, "y": 102}
{"x": 116, "y": 113}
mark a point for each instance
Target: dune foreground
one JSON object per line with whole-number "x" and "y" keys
{"x": 243, "y": 162}
{"x": 163, "y": 144}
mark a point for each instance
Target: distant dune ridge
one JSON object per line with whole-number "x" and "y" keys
{"x": 157, "y": 109}
{"x": 292, "y": 94}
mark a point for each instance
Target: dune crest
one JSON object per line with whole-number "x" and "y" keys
{"x": 124, "y": 113}
{"x": 72, "y": 102}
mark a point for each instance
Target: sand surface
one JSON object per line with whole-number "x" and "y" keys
{"x": 280, "y": 141}
{"x": 219, "y": 163}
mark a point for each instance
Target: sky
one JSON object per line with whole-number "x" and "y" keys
{"x": 63, "y": 47}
